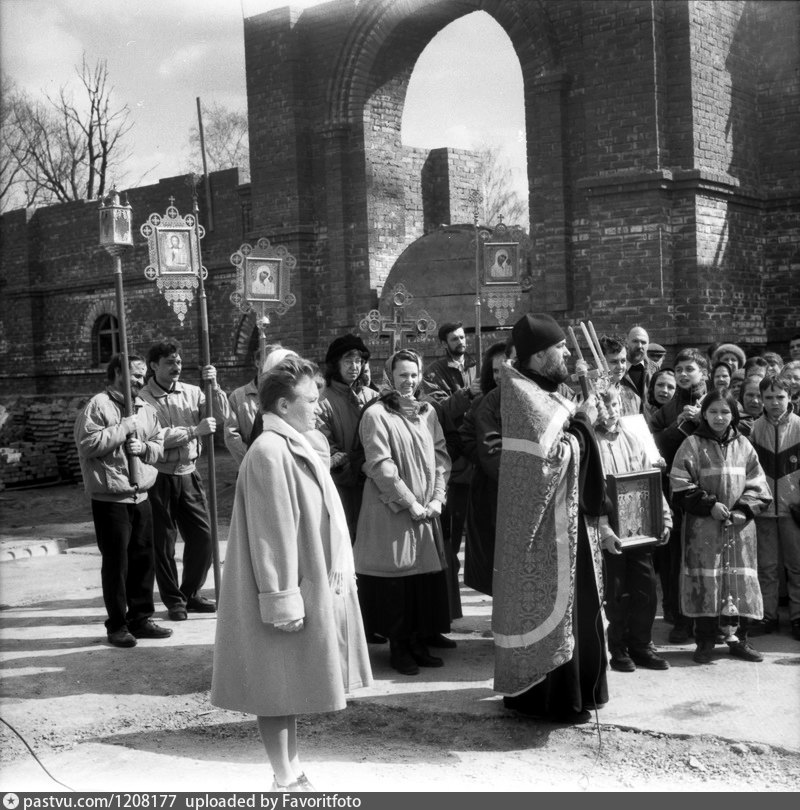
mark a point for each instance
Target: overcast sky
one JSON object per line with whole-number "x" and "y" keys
{"x": 466, "y": 88}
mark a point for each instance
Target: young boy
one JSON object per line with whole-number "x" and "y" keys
{"x": 671, "y": 425}
{"x": 616, "y": 356}
{"x": 776, "y": 439}
{"x": 630, "y": 580}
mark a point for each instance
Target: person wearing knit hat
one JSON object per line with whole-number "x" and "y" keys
{"x": 729, "y": 353}
{"x": 532, "y": 334}
{"x": 551, "y": 477}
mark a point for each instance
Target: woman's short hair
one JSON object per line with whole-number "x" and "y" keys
{"x": 487, "y": 368}
{"x": 281, "y": 381}
{"x": 720, "y": 395}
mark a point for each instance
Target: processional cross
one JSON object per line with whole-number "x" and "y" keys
{"x": 400, "y": 324}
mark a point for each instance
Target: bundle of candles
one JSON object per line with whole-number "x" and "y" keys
{"x": 600, "y": 375}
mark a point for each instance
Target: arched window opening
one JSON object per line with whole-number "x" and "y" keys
{"x": 105, "y": 342}
{"x": 466, "y": 93}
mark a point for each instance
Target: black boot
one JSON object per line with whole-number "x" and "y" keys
{"x": 422, "y": 655}
{"x": 401, "y": 658}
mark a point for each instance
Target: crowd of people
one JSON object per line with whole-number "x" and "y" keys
{"x": 353, "y": 499}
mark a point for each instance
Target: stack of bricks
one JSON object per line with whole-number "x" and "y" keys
{"x": 51, "y": 424}
{"x": 26, "y": 463}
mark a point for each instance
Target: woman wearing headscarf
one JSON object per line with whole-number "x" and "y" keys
{"x": 399, "y": 553}
{"x": 289, "y": 636}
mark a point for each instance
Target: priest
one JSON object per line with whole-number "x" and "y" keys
{"x": 550, "y": 650}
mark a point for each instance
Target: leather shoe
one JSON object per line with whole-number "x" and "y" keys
{"x": 762, "y": 627}
{"x": 374, "y": 638}
{"x": 424, "y": 658}
{"x": 622, "y": 662}
{"x": 199, "y": 604}
{"x": 741, "y": 649}
{"x": 150, "y": 629}
{"x": 440, "y": 641}
{"x": 648, "y": 659}
{"x": 403, "y": 662}
{"x": 177, "y": 614}
{"x": 121, "y": 638}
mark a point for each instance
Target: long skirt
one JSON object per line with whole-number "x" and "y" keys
{"x": 401, "y": 607}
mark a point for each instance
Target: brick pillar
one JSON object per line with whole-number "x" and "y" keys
{"x": 548, "y": 201}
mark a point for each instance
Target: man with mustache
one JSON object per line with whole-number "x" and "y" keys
{"x": 179, "y": 500}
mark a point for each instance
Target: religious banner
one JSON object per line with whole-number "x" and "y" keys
{"x": 263, "y": 279}
{"x": 504, "y": 274}
{"x": 175, "y": 264}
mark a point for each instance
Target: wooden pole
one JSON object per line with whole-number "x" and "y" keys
{"x": 209, "y": 393}
{"x": 205, "y": 167}
{"x": 116, "y": 252}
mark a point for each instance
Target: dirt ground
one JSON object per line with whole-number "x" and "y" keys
{"x": 96, "y": 716}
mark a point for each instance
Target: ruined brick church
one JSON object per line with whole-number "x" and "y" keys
{"x": 663, "y": 149}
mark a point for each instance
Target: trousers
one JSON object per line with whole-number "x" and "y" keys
{"x": 124, "y": 533}
{"x": 631, "y": 599}
{"x": 179, "y": 503}
{"x": 778, "y": 545}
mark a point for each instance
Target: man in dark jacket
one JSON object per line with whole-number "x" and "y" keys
{"x": 455, "y": 375}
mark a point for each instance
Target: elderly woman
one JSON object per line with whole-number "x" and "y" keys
{"x": 399, "y": 551}
{"x": 289, "y": 635}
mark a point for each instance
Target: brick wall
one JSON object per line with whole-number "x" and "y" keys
{"x": 664, "y": 174}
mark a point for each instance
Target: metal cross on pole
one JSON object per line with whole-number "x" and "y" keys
{"x": 401, "y": 322}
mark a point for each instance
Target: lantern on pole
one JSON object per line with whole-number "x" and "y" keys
{"x": 263, "y": 283}
{"x": 116, "y": 235}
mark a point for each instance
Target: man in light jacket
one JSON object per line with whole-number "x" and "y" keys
{"x": 179, "y": 500}
{"x": 116, "y": 455}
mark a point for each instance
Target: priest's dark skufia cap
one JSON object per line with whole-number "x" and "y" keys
{"x": 534, "y": 333}
{"x": 346, "y": 343}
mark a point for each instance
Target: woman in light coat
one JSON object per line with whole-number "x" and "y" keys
{"x": 399, "y": 550}
{"x": 289, "y": 634}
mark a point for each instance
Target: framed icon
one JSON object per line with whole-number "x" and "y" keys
{"x": 263, "y": 279}
{"x": 501, "y": 263}
{"x": 174, "y": 250}
{"x": 636, "y": 516}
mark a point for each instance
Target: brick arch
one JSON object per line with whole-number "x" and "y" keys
{"x": 102, "y": 306}
{"x": 385, "y": 23}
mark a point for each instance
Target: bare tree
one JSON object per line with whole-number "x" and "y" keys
{"x": 226, "y": 140}
{"x": 497, "y": 187}
{"x": 61, "y": 149}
